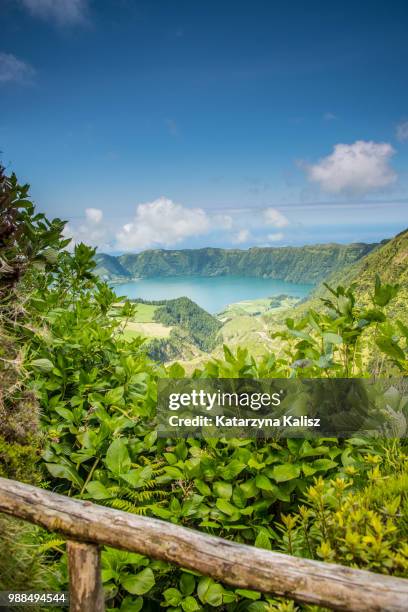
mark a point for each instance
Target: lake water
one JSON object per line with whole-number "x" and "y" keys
{"x": 212, "y": 293}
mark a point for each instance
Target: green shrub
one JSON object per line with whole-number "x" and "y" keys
{"x": 18, "y": 461}
{"x": 332, "y": 499}
{"x": 364, "y": 527}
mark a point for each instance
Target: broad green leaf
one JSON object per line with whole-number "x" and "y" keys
{"x": 222, "y": 489}
{"x": 249, "y": 488}
{"x": 114, "y": 396}
{"x": 323, "y": 464}
{"x": 256, "y": 465}
{"x": 140, "y": 583}
{"x": 308, "y": 450}
{"x": 98, "y": 490}
{"x": 191, "y": 505}
{"x": 42, "y": 365}
{"x": 203, "y": 587}
{"x": 138, "y": 477}
{"x": 238, "y": 498}
{"x": 294, "y": 445}
{"x": 226, "y": 507}
{"x": 187, "y": 584}
{"x": 174, "y": 472}
{"x": 307, "y": 469}
{"x": 66, "y": 414}
{"x": 150, "y": 439}
{"x": 210, "y": 593}
{"x": 190, "y": 604}
{"x": 131, "y": 605}
{"x": 58, "y": 470}
{"x": 262, "y": 540}
{"x": 263, "y": 482}
{"x": 202, "y": 487}
{"x": 284, "y": 472}
{"x": 248, "y": 594}
{"x": 172, "y": 596}
{"x": 117, "y": 457}
{"x": 232, "y": 469}
{"x": 176, "y": 371}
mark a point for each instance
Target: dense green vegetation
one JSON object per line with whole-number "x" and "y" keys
{"x": 109, "y": 267}
{"x": 390, "y": 260}
{"x": 308, "y": 264}
{"x": 192, "y": 329}
{"x": 94, "y": 392}
{"x": 200, "y": 325}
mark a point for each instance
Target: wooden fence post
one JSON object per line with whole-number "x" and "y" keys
{"x": 237, "y": 565}
{"x": 85, "y": 585}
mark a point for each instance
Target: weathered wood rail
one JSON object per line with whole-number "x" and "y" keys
{"x": 88, "y": 526}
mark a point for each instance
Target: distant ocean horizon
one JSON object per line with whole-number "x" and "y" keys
{"x": 213, "y": 293}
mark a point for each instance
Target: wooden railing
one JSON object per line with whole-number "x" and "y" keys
{"x": 88, "y": 526}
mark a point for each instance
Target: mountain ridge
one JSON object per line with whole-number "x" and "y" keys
{"x": 306, "y": 264}
{"x": 389, "y": 261}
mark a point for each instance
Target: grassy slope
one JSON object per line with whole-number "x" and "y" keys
{"x": 145, "y": 313}
{"x": 143, "y": 324}
{"x": 257, "y": 307}
{"x": 389, "y": 261}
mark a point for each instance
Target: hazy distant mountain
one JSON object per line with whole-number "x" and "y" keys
{"x": 307, "y": 264}
{"x": 109, "y": 267}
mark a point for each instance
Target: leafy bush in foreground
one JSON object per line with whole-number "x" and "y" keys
{"x": 98, "y": 394}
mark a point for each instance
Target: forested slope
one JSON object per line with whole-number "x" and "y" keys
{"x": 110, "y": 267}
{"x": 390, "y": 261}
{"x": 306, "y": 264}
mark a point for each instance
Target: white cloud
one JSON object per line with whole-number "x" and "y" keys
{"x": 275, "y": 237}
{"x": 162, "y": 223}
{"x": 241, "y": 237}
{"x": 63, "y": 12}
{"x": 402, "y": 131}
{"x": 354, "y": 168}
{"x": 329, "y": 117}
{"x": 275, "y": 218}
{"x": 14, "y": 70}
{"x": 91, "y": 231}
{"x": 95, "y": 215}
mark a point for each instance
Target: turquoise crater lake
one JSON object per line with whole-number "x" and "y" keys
{"x": 212, "y": 293}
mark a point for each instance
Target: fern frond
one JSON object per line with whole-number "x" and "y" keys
{"x": 127, "y": 506}
{"x": 53, "y": 543}
{"x": 120, "y": 504}
{"x": 149, "y": 495}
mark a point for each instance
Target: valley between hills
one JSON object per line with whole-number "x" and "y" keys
{"x": 180, "y": 330}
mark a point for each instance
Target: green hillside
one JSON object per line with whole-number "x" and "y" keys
{"x": 183, "y": 312}
{"x": 109, "y": 267}
{"x": 307, "y": 264}
{"x": 175, "y": 329}
{"x": 181, "y": 330}
{"x": 389, "y": 261}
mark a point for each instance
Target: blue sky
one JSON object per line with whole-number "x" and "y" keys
{"x": 184, "y": 124}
